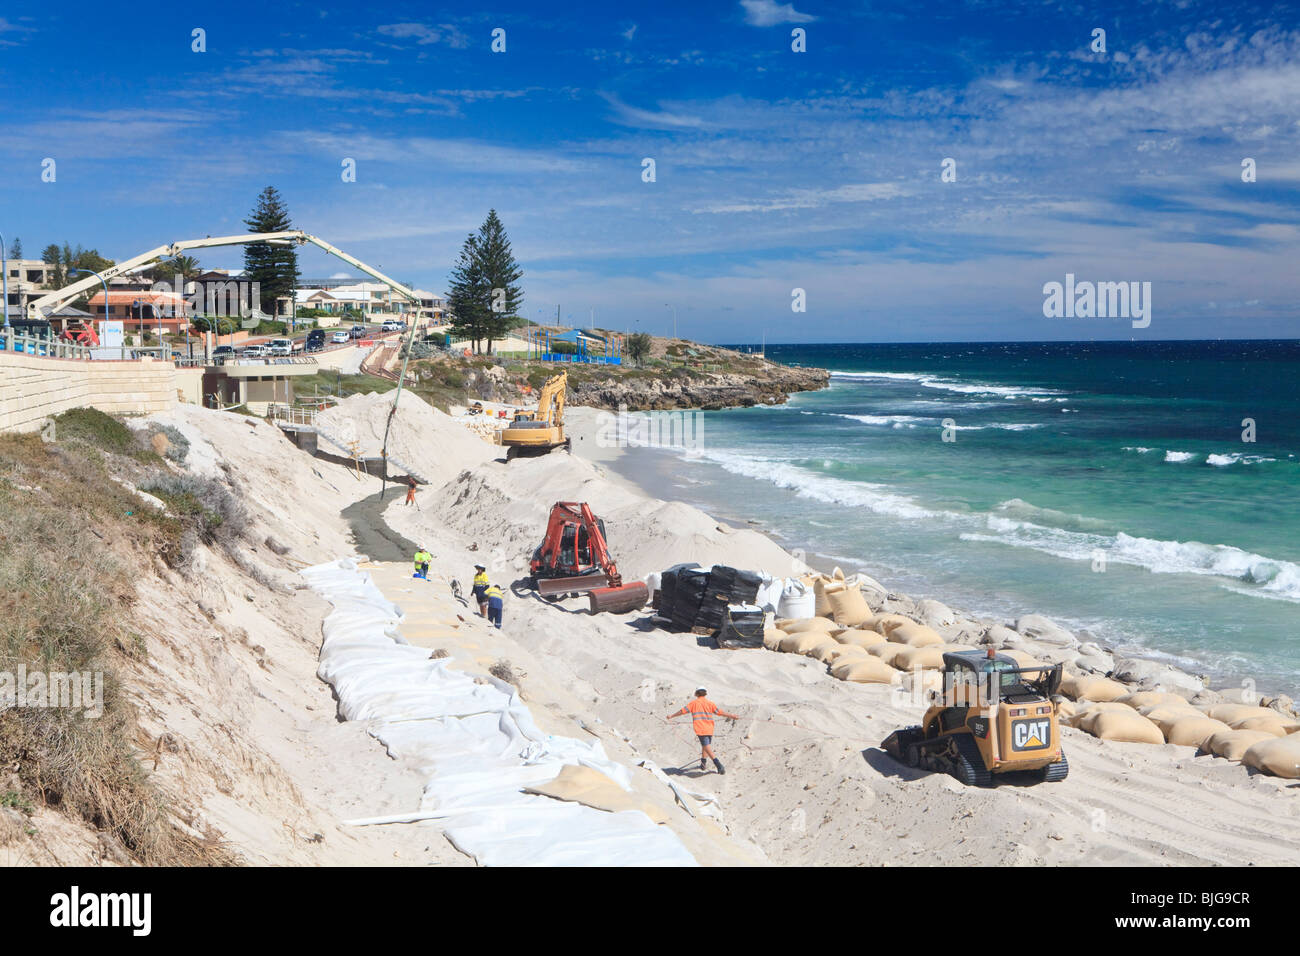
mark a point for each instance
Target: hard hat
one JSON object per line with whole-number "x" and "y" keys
{"x": 479, "y": 567}
{"x": 700, "y": 690}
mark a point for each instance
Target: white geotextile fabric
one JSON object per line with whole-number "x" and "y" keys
{"x": 476, "y": 743}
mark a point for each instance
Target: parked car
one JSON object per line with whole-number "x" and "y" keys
{"x": 315, "y": 340}
{"x": 392, "y": 326}
{"x": 222, "y": 352}
{"x": 340, "y": 337}
{"x": 255, "y": 351}
{"x": 358, "y": 332}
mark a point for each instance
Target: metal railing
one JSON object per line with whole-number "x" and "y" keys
{"x": 300, "y": 415}
{"x": 41, "y": 346}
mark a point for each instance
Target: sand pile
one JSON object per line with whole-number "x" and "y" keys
{"x": 504, "y": 509}
{"x": 421, "y": 437}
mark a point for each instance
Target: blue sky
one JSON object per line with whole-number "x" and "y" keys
{"x": 775, "y": 170}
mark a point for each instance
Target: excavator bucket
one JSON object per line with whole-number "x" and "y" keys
{"x": 629, "y": 597}
{"x": 580, "y": 584}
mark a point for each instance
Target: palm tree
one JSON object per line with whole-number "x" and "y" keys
{"x": 187, "y": 266}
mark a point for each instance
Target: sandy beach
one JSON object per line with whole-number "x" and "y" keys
{"x": 250, "y": 740}
{"x": 807, "y": 782}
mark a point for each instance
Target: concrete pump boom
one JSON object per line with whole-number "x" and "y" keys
{"x": 39, "y": 308}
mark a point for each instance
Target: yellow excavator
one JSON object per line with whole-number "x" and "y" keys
{"x": 540, "y": 431}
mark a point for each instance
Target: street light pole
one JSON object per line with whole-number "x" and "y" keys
{"x": 4, "y": 264}
{"x": 674, "y": 308}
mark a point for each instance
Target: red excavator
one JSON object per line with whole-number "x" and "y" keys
{"x": 82, "y": 333}
{"x": 573, "y": 558}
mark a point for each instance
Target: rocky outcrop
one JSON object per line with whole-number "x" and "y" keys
{"x": 708, "y": 390}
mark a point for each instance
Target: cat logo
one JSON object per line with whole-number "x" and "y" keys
{"x": 1031, "y": 734}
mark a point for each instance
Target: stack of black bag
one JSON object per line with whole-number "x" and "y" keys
{"x": 742, "y": 628}
{"x": 692, "y": 598}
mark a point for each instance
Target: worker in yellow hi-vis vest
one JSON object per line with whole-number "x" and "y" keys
{"x": 494, "y": 604}
{"x": 422, "y": 559}
{"x": 480, "y": 585}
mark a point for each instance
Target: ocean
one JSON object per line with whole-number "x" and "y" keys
{"x": 1104, "y": 484}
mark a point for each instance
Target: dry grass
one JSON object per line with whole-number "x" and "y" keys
{"x": 72, "y": 543}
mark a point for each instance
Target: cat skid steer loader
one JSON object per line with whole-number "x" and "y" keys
{"x": 994, "y": 717}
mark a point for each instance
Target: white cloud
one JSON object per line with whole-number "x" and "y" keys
{"x": 652, "y": 119}
{"x": 425, "y": 34}
{"x": 768, "y": 13}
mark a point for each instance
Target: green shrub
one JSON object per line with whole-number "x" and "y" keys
{"x": 93, "y": 427}
{"x": 206, "y": 505}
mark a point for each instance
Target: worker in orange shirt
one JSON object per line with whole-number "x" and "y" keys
{"x": 702, "y": 711}
{"x": 410, "y": 490}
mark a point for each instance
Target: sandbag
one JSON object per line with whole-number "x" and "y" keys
{"x": 884, "y": 623}
{"x": 848, "y": 607}
{"x": 859, "y": 638}
{"x": 1165, "y": 716}
{"x": 807, "y": 624}
{"x": 1128, "y": 728}
{"x": 1143, "y": 698}
{"x": 831, "y": 652}
{"x": 1230, "y": 712}
{"x": 921, "y": 683}
{"x": 1090, "y": 688}
{"x": 1275, "y": 724}
{"x": 823, "y": 602}
{"x": 1084, "y": 716}
{"x": 803, "y": 642}
{"x": 1193, "y": 731}
{"x": 926, "y": 658}
{"x": 823, "y": 646}
{"x": 592, "y": 788}
{"x": 886, "y": 651}
{"x": 1279, "y": 756}
{"x": 915, "y": 635}
{"x": 864, "y": 669}
{"x": 772, "y": 638}
{"x": 1233, "y": 744}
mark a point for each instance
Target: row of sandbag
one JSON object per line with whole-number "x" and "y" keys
{"x": 878, "y": 650}
{"x": 1258, "y": 737}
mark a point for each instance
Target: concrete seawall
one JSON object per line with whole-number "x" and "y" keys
{"x": 33, "y": 388}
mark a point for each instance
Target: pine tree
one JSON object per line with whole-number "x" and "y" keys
{"x": 16, "y": 248}
{"x": 468, "y": 294}
{"x": 52, "y": 256}
{"x": 274, "y": 267}
{"x": 501, "y": 273}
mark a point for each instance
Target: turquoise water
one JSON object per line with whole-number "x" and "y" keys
{"x": 1104, "y": 484}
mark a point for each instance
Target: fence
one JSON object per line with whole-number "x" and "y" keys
{"x": 39, "y": 345}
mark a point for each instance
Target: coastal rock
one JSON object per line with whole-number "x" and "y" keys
{"x": 999, "y": 635}
{"x": 1095, "y": 663}
{"x": 872, "y": 590}
{"x": 1042, "y": 629}
{"x": 935, "y": 613}
{"x": 1155, "y": 674}
{"x": 898, "y": 604}
{"x": 1282, "y": 704}
{"x": 1239, "y": 695}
